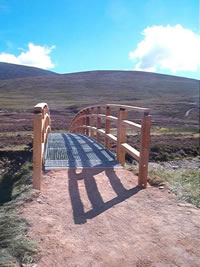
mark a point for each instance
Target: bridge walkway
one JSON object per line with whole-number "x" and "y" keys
{"x": 68, "y": 150}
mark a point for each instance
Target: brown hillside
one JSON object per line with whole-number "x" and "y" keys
{"x": 12, "y": 71}
{"x": 170, "y": 97}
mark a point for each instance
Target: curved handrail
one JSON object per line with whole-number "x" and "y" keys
{"x": 42, "y": 127}
{"x": 127, "y": 107}
{"x": 89, "y": 121}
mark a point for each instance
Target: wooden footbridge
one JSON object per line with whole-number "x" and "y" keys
{"x": 82, "y": 147}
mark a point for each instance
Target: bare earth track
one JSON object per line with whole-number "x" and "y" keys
{"x": 99, "y": 217}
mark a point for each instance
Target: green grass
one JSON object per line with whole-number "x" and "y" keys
{"x": 184, "y": 183}
{"x": 156, "y": 130}
{"x": 15, "y": 189}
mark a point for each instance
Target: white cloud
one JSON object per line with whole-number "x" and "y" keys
{"x": 173, "y": 48}
{"x": 35, "y": 56}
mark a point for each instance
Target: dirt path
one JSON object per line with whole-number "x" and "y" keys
{"x": 100, "y": 218}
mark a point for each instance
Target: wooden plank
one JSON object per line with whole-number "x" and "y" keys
{"x": 132, "y": 151}
{"x": 112, "y": 118}
{"x": 101, "y": 131}
{"x": 139, "y": 109}
{"x": 132, "y": 125}
{"x": 103, "y": 116}
{"x": 111, "y": 137}
{"x": 144, "y": 150}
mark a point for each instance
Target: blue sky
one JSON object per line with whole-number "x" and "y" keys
{"x": 78, "y": 35}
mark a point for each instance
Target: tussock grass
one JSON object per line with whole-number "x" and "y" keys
{"x": 15, "y": 189}
{"x": 184, "y": 183}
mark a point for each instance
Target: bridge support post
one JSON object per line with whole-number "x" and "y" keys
{"x": 144, "y": 149}
{"x": 37, "y": 150}
{"x": 121, "y": 136}
{"x": 107, "y": 128}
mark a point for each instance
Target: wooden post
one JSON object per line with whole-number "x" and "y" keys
{"x": 121, "y": 135}
{"x": 144, "y": 149}
{"x": 98, "y": 124}
{"x": 92, "y": 122}
{"x": 107, "y": 128}
{"x": 37, "y": 150}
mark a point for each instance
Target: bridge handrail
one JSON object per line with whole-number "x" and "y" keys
{"x": 84, "y": 122}
{"x": 41, "y": 129}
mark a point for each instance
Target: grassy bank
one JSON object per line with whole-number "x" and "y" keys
{"x": 185, "y": 184}
{"x": 15, "y": 189}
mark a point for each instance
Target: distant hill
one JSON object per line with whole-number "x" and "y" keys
{"x": 13, "y": 71}
{"x": 169, "y": 97}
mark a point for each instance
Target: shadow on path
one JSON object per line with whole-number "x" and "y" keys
{"x": 98, "y": 205}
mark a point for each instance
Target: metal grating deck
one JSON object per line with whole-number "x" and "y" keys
{"x": 76, "y": 150}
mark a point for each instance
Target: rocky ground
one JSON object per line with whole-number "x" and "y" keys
{"x": 184, "y": 164}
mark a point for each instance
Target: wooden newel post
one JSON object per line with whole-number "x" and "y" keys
{"x": 37, "y": 150}
{"x": 107, "y": 128}
{"x": 144, "y": 149}
{"x": 121, "y": 136}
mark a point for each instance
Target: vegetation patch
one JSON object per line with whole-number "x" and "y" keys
{"x": 15, "y": 189}
{"x": 184, "y": 183}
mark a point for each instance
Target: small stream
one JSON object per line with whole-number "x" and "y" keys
{"x": 188, "y": 112}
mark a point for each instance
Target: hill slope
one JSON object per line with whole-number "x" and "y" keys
{"x": 12, "y": 71}
{"x": 170, "y": 97}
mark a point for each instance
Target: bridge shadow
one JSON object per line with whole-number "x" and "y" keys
{"x": 94, "y": 159}
{"x": 94, "y": 196}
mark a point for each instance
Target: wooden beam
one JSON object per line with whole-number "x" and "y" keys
{"x": 101, "y": 131}
{"x": 132, "y": 125}
{"x": 111, "y": 137}
{"x": 130, "y": 150}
